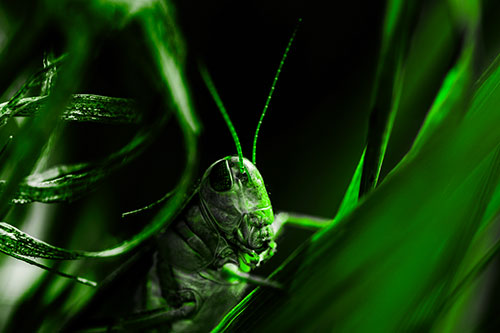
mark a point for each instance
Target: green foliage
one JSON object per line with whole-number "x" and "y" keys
{"x": 54, "y": 99}
{"x": 407, "y": 257}
{"x": 82, "y": 107}
{"x": 413, "y": 240}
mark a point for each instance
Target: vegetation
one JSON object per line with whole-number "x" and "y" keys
{"x": 384, "y": 121}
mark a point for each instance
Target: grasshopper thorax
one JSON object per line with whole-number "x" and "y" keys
{"x": 238, "y": 204}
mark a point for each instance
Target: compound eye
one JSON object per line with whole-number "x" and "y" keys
{"x": 220, "y": 177}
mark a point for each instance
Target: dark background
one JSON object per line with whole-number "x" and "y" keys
{"x": 314, "y": 130}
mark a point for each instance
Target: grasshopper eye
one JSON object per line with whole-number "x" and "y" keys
{"x": 220, "y": 177}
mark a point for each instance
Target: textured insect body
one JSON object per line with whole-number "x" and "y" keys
{"x": 204, "y": 259}
{"x": 230, "y": 220}
{"x": 239, "y": 205}
{"x": 227, "y": 226}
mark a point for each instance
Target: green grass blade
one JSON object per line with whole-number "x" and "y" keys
{"x": 35, "y": 80}
{"x": 452, "y": 99}
{"x": 78, "y": 279}
{"x": 28, "y": 144}
{"x": 393, "y": 260}
{"x": 51, "y": 67}
{"x": 166, "y": 46}
{"x": 17, "y": 242}
{"x": 159, "y": 28}
{"x": 81, "y": 107}
{"x": 14, "y": 241}
{"x": 385, "y": 99}
{"x": 66, "y": 183}
{"x": 21, "y": 246}
{"x": 387, "y": 89}
{"x": 351, "y": 196}
{"x": 484, "y": 248}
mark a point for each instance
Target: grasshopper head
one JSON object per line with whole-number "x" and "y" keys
{"x": 239, "y": 205}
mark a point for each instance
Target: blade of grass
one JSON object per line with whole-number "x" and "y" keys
{"x": 453, "y": 93}
{"x": 78, "y": 279}
{"x": 387, "y": 89}
{"x": 66, "y": 183}
{"x": 172, "y": 75}
{"x": 172, "y": 81}
{"x": 166, "y": 46}
{"x": 164, "y": 39}
{"x": 81, "y": 107}
{"x": 27, "y": 146}
{"x": 49, "y": 64}
{"x": 400, "y": 243}
{"x": 483, "y": 250}
{"x": 351, "y": 196}
{"x": 35, "y": 80}
{"x": 14, "y": 242}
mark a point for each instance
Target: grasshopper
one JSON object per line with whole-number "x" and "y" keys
{"x": 202, "y": 263}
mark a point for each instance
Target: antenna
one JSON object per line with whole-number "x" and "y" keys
{"x": 273, "y": 86}
{"x": 211, "y": 87}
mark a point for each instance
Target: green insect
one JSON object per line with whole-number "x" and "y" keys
{"x": 225, "y": 232}
{"x": 202, "y": 263}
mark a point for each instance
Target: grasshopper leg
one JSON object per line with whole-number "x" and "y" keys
{"x": 300, "y": 220}
{"x": 231, "y": 271}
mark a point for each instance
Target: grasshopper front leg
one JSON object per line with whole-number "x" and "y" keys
{"x": 301, "y": 220}
{"x": 231, "y": 271}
